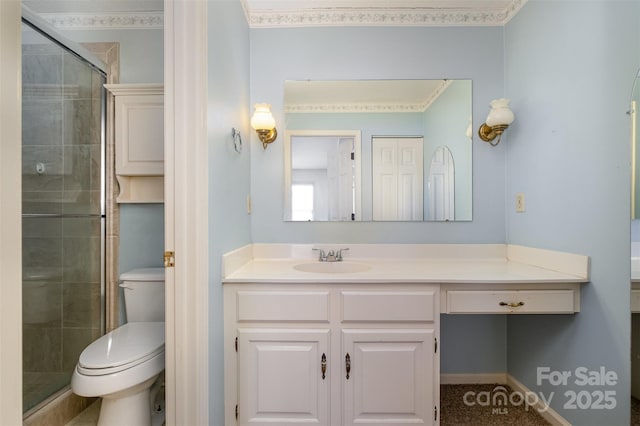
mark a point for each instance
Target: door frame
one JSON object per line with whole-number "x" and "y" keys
{"x": 186, "y": 212}
{"x": 10, "y": 214}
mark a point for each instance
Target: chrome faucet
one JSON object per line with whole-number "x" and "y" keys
{"x": 331, "y": 255}
{"x": 339, "y": 254}
{"x": 322, "y": 257}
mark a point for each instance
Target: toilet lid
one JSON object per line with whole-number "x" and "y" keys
{"x": 131, "y": 343}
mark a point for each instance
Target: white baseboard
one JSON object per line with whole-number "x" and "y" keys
{"x": 547, "y": 413}
{"x": 473, "y": 379}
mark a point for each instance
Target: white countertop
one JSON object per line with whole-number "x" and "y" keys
{"x": 422, "y": 263}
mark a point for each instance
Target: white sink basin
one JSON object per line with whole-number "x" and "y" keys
{"x": 332, "y": 267}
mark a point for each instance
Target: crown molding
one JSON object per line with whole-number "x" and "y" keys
{"x": 382, "y": 17}
{"x": 105, "y": 21}
{"x": 368, "y": 107}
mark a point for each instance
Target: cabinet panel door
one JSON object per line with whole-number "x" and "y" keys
{"x": 139, "y": 135}
{"x": 391, "y": 377}
{"x": 280, "y": 376}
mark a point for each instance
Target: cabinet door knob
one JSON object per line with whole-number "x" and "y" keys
{"x": 347, "y": 363}
{"x": 512, "y": 304}
{"x": 323, "y": 365}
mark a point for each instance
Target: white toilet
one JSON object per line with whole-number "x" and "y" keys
{"x": 121, "y": 366}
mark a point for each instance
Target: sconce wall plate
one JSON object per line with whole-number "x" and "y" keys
{"x": 488, "y": 134}
{"x": 267, "y": 136}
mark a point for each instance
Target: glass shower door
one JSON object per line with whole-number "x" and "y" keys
{"x": 62, "y": 235}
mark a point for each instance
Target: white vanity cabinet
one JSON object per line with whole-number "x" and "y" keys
{"x": 331, "y": 354}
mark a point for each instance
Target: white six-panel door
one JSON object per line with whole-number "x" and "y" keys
{"x": 397, "y": 189}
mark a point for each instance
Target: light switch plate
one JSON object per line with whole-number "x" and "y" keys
{"x": 520, "y": 206}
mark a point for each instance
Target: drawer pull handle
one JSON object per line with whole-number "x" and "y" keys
{"x": 323, "y": 365}
{"x": 512, "y": 304}
{"x": 347, "y": 363}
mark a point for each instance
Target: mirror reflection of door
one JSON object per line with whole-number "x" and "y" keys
{"x": 340, "y": 171}
{"x": 442, "y": 185}
{"x": 322, "y": 178}
{"x": 397, "y": 178}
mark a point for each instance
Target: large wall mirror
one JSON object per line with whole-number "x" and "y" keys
{"x": 378, "y": 150}
{"x": 635, "y": 150}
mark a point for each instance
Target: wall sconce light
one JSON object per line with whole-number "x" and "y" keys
{"x": 264, "y": 124}
{"x": 499, "y": 118}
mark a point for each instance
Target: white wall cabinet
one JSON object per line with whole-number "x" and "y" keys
{"x": 331, "y": 354}
{"x": 138, "y": 129}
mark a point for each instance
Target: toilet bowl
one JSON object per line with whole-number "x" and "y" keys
{"x": 121, "y": 366}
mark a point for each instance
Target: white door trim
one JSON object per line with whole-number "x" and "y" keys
{"x": 186, "y": 212}
{"x": 10, "y": 215}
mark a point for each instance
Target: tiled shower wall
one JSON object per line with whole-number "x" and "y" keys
{"x": 61, "y": 181}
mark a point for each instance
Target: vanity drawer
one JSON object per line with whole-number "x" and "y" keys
{"x": 510, "y": 301}
{"x": 283, "y": 306}
{"x": 389, "y": 306}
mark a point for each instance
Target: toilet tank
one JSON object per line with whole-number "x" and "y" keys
{"x": 143, "y": 294}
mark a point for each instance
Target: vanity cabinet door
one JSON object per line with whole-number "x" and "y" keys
{"x": 388, "y": 376}
{"x": 283, "y": 377}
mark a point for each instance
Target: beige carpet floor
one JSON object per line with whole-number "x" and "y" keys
{"x": 472, "y": 405}
{"x": 635, "y": 412}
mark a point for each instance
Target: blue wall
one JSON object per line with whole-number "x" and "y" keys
{"x": 568, "y": 151}
{"x": 229, "y": 223}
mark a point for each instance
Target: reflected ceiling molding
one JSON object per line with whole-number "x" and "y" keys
{"x": 363, "y": 16}
{"x": 56, "y": 91}
{"x": 355, "y": 107}
{"x": 93, "y": 21}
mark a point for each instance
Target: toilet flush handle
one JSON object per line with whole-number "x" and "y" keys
{"x": 125, "y": 286}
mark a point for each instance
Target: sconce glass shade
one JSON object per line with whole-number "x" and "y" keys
{"x": 500, "y": 114}
{"x": 469, "y": 132}
{"x": 262, "y": 118}
{"x": 264, "y": 124}
{"x": 499, "y": 118}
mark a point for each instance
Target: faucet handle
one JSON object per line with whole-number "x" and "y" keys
{"x": 322, "y": 257}
{"x": 339, "y": 254}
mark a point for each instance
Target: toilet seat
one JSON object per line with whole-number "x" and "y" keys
{"x": 122, "y": 348}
